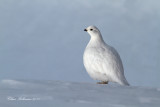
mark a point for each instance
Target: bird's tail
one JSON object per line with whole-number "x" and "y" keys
{"x": 124, "y": 82}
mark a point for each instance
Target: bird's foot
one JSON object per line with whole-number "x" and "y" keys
{"x": 102, "y": 82}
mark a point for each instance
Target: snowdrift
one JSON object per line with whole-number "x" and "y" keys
{"x": 33, "y": 93}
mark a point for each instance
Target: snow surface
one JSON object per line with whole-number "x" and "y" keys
{"x": 25, "y": 93}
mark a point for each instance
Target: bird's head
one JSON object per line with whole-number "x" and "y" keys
{"x": 93, "y": 31}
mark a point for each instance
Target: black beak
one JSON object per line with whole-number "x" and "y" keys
{"x": 85, "y": 30}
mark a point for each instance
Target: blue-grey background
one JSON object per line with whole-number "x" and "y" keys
{"x": 44, "y": 39}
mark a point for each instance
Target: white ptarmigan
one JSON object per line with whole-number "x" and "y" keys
{"x": 102, "y": 62}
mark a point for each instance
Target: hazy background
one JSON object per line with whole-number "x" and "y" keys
{"x": 44, "y": 39}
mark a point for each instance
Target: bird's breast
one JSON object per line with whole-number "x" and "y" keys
{"x": 92, "y": 58}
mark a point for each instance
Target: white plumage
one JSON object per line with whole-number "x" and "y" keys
{"x": 102, "y": 62}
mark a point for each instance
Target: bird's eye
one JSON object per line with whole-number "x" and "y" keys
{"x": 91, "y": 29}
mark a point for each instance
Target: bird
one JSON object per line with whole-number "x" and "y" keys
{"x": 102, "y": 61}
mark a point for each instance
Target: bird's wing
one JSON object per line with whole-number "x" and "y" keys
{"x": 108, "y": 61}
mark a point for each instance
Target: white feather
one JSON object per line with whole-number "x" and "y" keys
{"x": 102, "y": 62}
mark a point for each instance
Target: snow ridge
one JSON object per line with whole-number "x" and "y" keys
{"x": 23, "y": 93}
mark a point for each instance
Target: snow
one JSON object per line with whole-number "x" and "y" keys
{"x": 38, "y": 93}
